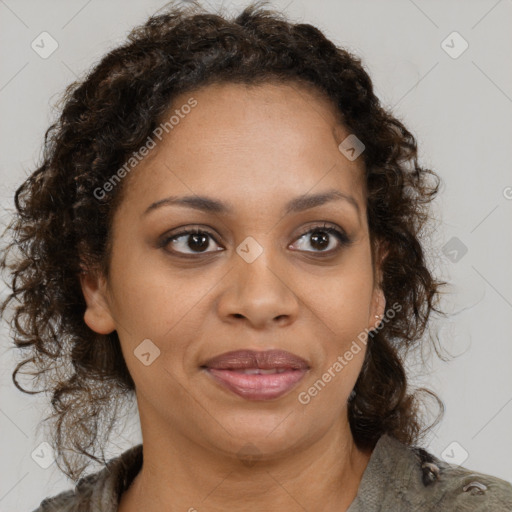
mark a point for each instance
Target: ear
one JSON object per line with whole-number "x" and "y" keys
{"x": 377, "y": 309}
{"x": 378, "y": 306}
{"x": 97, "y": 315}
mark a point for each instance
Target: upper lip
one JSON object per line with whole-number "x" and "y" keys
{"x": 268, "y": 359}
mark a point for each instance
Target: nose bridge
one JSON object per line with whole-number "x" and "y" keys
{"x": 257, "y": 290}
{"x": 260, "y": 276}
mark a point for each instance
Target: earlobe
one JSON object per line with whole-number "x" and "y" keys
{"x": 97, "y": 314}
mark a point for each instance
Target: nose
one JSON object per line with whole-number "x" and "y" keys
{"x": 259, "y": 293}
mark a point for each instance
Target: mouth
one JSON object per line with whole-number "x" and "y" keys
{"x": 257, "y": 375}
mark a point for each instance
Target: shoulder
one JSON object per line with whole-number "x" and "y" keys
{"x": 82, "y": 497}
{"x": 420, "y": 481}
{"x": 71, "y": 499}
{"x": 100, "y": 490}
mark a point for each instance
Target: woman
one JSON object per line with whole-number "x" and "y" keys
{"x": 226, "y": 225}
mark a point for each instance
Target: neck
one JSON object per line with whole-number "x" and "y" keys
{"x": 179, "y": 474}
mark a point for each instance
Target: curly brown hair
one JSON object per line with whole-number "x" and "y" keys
{"x": 60, "y": 228}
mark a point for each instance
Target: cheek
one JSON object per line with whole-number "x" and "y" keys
{"x": 342, "y": 299}
{"x": 150, "y": 299}
{"x": 340, "y": 309}
{"x": 156, "y": 304}
{"x": 326, "y": 394}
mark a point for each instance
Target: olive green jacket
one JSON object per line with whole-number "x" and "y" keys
{"x": 398, "y": 478}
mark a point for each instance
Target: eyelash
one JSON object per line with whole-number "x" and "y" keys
{"x": 343, "y": 239}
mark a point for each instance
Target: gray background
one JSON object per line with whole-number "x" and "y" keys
{"x": 460, "y": 110}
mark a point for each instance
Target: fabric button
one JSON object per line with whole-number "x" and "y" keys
{"x": 430, "y": 472}
{"x": 475, "y": 488}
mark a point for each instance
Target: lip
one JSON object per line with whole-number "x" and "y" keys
{"x": 267, "y": 359}
{"x": 227, "y": 370}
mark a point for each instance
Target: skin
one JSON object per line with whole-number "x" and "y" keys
{"x": 256, "y": 148}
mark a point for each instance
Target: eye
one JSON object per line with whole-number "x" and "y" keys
{"x": 197, "y": 241}
{"x": 325, "y": 238}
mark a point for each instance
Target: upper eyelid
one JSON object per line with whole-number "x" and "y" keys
{"x": 324, "y": 225}
{"x": 210, "y": 231}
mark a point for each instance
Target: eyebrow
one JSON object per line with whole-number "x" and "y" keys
{"x": 210, "y": 205}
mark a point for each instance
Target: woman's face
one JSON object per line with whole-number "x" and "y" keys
{"x": 253, "y": 279}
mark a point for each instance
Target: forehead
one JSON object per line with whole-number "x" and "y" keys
{"x": 248, "y": 142}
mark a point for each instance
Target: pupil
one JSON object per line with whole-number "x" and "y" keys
{"x": 198, "y": 237}
{"x": 322, "y": 240}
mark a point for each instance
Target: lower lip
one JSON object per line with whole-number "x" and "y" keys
{"x": 258, "y": 387}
